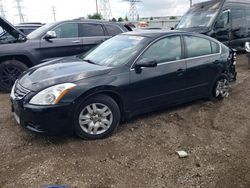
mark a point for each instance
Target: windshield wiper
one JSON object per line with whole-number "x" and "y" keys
{"x": 89, "y": 61}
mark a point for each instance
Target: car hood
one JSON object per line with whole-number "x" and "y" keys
{"x": 64, "y": 70}
{"x": 11, "y": 29}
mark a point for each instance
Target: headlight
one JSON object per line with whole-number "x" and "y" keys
{"x": 52, "y": 95}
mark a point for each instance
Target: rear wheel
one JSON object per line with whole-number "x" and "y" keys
{"x": 97, "y": 117}
{"x": 221, "y": 88}
{"x": 9, "y": 72}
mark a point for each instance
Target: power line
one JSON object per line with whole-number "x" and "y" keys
{"x": 2, "y": 12}
{"x": 19, "y": 10}
{"x": 105, "y": 9}
{"x": 133, "y": 12}
{"x": 53, "y": 8}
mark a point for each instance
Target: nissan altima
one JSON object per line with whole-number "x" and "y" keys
{"x": 127, "y": 75}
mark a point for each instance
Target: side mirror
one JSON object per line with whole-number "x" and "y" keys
{"x": 247, "y": 47}
{"x": 145, "y": 62}
{"x": 50, "y": 35}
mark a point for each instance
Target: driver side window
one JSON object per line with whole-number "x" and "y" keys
{"x": 68, "y": 30}
{"x": 223, "y": 20}
{"x": 165, "y": 50}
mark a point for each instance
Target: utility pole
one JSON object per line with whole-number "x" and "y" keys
{"x": 2, "y": 12}
{"x": 96, "y": 5}
{"x": 53, "y": 8}
{"x": 133, "y": 12}
{"x": 105, "y": 10}
{"x": 19, "y": 10}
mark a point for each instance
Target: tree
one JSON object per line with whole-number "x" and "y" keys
{"x": 173, "y": 18}
{"x": 126, "y": 18}
{"x": 151, "y": 18}
{"x": 120, "y": 19}
{"x": 95, "y": 16}
{"x": 114, "y": 20}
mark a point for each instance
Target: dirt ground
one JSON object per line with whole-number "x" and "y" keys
{"x": 142, "y": 153}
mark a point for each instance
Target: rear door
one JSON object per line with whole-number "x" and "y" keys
{"x": 92, "y": 34}
{"x": 67, "y": 43}
{"x": 203, "y": 57}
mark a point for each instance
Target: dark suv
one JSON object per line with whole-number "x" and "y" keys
{"x": 18, "y": 52}
{"x": 27, "y": 28}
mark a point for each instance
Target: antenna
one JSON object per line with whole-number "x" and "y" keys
{"x": 19, "y": 9}
{"x": 133, "y": 12}
{"x": 53, "y": 8}
{"x": 105, "y": 9}
{"x": 2, "y": 12}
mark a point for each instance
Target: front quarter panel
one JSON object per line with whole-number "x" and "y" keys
{"x": 116, "y": 81}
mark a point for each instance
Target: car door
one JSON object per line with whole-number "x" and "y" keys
{"x": 203, "y": 57}
{"x": 222, "y": 27}
{"x": 92, "y": 34}
{"x": 66, "y": 43}
{"x": 163, "y": 84}
{"x": 239, "y": 31}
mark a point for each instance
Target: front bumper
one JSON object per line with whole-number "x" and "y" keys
{"x": 52, "y": 120}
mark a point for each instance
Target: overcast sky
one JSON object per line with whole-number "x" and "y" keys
{"x": 41, "y": 10}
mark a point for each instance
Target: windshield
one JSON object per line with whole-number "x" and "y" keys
{"x": 116, "y": 51}
{"x": 197, "y": 19}
{"x": 40, "y": 31}
{"x": 201, "y": 15}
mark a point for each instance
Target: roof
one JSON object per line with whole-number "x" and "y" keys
{"x": 153, "y": 33}
{"x": 30, "y": 24}
{"x": 159, "y": 33}
{"x": 91, "y": 21}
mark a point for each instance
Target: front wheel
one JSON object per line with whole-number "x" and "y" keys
{"x": 9, "y": 72}
{"x": 221, "y": 88}
{"x": 97, "y": 117}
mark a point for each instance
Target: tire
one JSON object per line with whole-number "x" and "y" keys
{"x": 9, "y": 72}
{"x": 92, "y": 119}
{"x": 221, "y": 88}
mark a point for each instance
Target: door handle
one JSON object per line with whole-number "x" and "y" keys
{"x": 76, "y": 41}
{"x": 216, "y": 62}
{"x": 180, "y": 72}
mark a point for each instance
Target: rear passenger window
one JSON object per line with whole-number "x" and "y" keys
{"x": 91, "y": 30}
{"x": 197, "y": 46}
{"x": 165, "y": 50}
{"x": 215, "y": 47}
{"x": 113, "y": 30}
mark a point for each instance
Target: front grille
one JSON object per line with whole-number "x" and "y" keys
{"x": 20, "y": 92}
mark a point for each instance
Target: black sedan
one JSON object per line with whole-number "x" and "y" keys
{"x": 127, "y": 75}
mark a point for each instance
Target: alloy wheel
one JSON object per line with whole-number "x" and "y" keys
{"x": 95, "y": 119}
{"x": 222, "y": 88}
{"x": 9, "y": 74}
